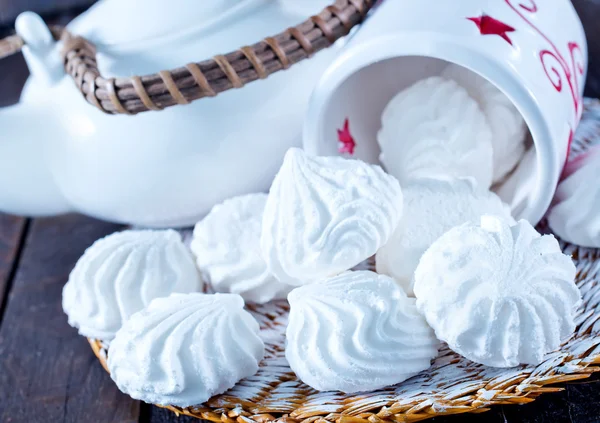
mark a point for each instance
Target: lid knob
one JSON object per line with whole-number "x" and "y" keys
{"x": 40, "y": 50}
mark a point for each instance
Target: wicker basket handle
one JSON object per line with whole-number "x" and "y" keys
{"x": 194, "y": 81}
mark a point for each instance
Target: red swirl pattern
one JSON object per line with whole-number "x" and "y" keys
{"x": 552, "y": 72}
{"x": 531, "y": 7}
{"x": 559, "y": 71}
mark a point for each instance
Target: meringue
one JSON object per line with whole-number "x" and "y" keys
{"x": 226, "y": 244}
{"x": 432, "y": 207}
{"x": 120, "y": 274}
{"x": 515, "y": 190}
{"x": 575, "y": 216}
{"x": 356, "y": 332}
{"x": 183, "y": 349}
{"x": 499, "y": 295}
{"x": 434, "y": 128}
{"x": 325, "y": 215}
{"x": 506, "y": 122}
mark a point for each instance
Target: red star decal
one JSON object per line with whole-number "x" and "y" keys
{"x": 347, "y": 143}
{"x": 490, "y": 26}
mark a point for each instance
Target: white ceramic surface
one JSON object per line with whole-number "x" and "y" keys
{"x": 533, "y": 51}
{"x": 168, "y": 168}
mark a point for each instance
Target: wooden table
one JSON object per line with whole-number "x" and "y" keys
{"x": 49, "y": 374}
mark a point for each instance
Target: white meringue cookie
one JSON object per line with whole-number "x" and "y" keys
{"x": 227, "y": 248}
{"x": 506, "y": 122}
{"x": 325, "y": 215}
{"x": 120, "y": 274}
{"x": 499, "y": 295}
{"x": 183, "y": 349}
{"x": 575, "y": 217}
{"x": 515, "y": 190}
{"x": 432, "y": 207}
{"x": 356, "y": 332}
{"x": 434, "y": 128}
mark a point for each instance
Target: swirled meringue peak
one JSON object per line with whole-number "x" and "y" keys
{"x": 357, "y": 331}
{"x": 575, "y": 216}
{"x": 120, "y": 274}
{"x": 434, "y": 128}
{"x": 227, "y": 248}
{"x": 432, "y": 207}
{"x": 183, "y": 349}
{"x": 506, "y": 122}
{"x": 499, "y": 295}
{"x": 325, "y": 215}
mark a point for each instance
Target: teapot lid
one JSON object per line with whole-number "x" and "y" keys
{"x": 121, "y": 22}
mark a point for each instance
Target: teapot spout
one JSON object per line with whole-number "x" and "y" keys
{"x": 26, "y": 184}
{"x": 41, "y": 51}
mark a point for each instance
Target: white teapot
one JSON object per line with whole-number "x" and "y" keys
{"x": 165, "y": 168}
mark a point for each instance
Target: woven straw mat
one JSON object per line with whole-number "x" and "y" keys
{"x": 452, "y": 385}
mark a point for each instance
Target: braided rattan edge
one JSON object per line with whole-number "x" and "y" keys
{"x": 519, "y": 387}
{"x": 237, "y": 411}
{"x": 136, "y": 94}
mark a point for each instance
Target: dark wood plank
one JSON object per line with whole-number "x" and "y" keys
{"x": 10, "y": 9}
{"x": 551, "y": 408}
{"x": 152, "y": 414}
{"x": 584, "y": 401}
{"x": 11, "y": 233}
{"x": 14, "y": 73}
{"x": 48, "y": 372}
{"x": 492, "y": 416}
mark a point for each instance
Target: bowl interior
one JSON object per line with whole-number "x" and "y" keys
{"x": 360, "y": 100}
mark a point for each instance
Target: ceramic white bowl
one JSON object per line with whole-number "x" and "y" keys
{"x": 533, "y": 51}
